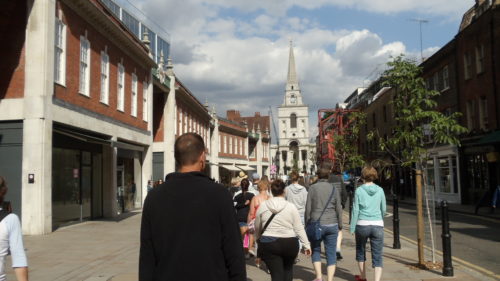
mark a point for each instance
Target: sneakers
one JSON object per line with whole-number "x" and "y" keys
{"x": 339, "y": 256}
{"x": 358, "y": 278}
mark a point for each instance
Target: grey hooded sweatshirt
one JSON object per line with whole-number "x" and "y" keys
{"x": 297, "y": 195}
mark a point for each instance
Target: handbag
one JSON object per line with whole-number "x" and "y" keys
{"x": 313, "y": 228}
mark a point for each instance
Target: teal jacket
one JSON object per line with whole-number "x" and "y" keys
{"x": 369, "y": 204}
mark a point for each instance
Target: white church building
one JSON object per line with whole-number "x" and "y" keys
{"x": 294, "y": 150}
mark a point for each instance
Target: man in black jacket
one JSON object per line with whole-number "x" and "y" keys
{"x": 189, "y": 230}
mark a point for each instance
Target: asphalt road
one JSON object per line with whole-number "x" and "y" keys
{"x": 475, "y": 239}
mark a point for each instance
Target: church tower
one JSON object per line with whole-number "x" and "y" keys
{"x": 293, "y": 124}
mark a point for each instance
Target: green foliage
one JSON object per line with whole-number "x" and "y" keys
{"x": 419, "y": 124}
{"x": 346, "y": 144}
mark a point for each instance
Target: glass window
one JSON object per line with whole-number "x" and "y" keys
{"x": 467, "y": 65}
{"x": 164, "y": 46}
{"x": 444, "y": 175}
{"x": 446, "y": 78}
{"x": 60, "y": 53}
{"x": 480, "y": 59}
{"x": 131, "y": 22}
{"x": 121, "y": 88}
{"x": 113, "y": 7}
{"x": 152, "y": 39}
{"x": 133, "y": 108}
{"x": 84, "y": 66}
{"x": 104, "y": 77}
{"x": 483, "y": 113}
{"x": 293, "y": 120}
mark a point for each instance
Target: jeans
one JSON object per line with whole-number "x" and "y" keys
{"x": 376, "y": 235}
{"x": 279, "y": 257}
{"x": 329, "y": 234}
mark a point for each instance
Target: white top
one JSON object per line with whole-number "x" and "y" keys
{"x": 285, "y": 224}
{"x": 375, "y": 223}
{"x": 11, "y": 239}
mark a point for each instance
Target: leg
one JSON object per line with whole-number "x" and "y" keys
{"x": 339, "y": 245}
{"x": 274, "y": 262}
{"x": 290, "y": 252}
{"x": 330, "y": 239}
{"x": 251, "y": 248}
{"x": 377, "y": 246}
{"x": 361, "y": 238}
{"x": 316, "y": 258}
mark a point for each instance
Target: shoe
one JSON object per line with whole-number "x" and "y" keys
{"x": 358, "y": 278}
{"x": 296, "y": 261}
{"x": 252, "y": 253}
{"x": 339, "y": 256}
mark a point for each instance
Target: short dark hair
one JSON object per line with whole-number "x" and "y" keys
{"x": 324, "y": 171}
{"x": 277, "y": 187}
{"x": 294, "y": 176}
{"x": 3, "y": 183}
{"x": 188, "y": 148}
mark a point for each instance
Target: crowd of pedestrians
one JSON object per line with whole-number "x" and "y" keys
{"x": 190, "y": 216}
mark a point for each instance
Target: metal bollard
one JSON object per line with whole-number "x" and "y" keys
{"x": 447, "y": 262}
{"x": 395, "y": 223}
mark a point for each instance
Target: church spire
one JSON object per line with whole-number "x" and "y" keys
{"x": 292, "y": 82}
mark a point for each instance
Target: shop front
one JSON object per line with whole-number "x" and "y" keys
{"x": 443, "y": 174}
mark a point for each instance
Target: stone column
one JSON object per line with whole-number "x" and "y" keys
{"x": 214, "y": 149}
{"x": 37, "y": 125}
{"x": 110, "y": 206}
{"x": 170, "y": 119}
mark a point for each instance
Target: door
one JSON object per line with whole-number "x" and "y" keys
{"x": 120, "y": 189}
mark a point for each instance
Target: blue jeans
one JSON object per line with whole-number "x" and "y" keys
{"x": 329, "y": 234}
{"x": 376, "y": 235}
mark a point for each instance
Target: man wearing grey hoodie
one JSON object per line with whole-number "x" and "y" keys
{"x": 297, "y": 195}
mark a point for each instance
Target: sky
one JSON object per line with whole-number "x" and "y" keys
{"x": 234, "y": 53}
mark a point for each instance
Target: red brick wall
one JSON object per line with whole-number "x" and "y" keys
{"x": 13, "y": 36}
{"x": 76, "y": 27}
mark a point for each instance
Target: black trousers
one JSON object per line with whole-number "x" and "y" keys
{"x": 280, "y": 256}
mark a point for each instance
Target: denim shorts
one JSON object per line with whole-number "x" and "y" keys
{"x": 376, "y": 235}
{"x": 329, "y": 234}
{"x": 242, "y": 224}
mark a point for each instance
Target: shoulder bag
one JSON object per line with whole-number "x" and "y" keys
{"x": 313, "y": 227}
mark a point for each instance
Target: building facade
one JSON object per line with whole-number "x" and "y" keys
{"x": 294, "y": 150}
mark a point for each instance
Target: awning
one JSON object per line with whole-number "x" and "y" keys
{"x": 489, "y": 138}
{"x": 81, "y": 136}
{"x": 230, "y": 168}
{"x": 127, "y": 146}
{"x": 246, "y": 168}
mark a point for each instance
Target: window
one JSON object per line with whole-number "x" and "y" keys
{"x": 374, "y": 120}
{"x": 446, "y": 78}
{"x": 483, "y": 113}
{"x": 84, "y": 66}
{"x": 436, "y": 82}
{"x": 428, "y": 83}
{"x": 145, "y": 101}
{"x": 293, "y": 120}
{"x": 180, "y": 122}
{"x": 225, "y": 144}
{"x": 121, "y": 89}
{"x": 60, "y": 53}
{"x": 133, "y": 102}
{"x": 104, "y": 77}
{"x": 384, "y": 109}
{"x": 471, "y": 112}
{"x": 467, "y": 66}
{"x": 230, "y": 145}
{"x": 480, "y": 59}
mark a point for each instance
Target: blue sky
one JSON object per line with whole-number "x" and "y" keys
{"x": 234, "y": 53}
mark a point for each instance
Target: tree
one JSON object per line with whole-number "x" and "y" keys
{"x": 420, "y": 126}
{"x": 346, "y": 143}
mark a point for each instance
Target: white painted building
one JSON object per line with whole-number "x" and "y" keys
{"x": 294, "y": 151}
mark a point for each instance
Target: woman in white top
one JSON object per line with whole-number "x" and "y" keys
{"x": 278, "y": 243}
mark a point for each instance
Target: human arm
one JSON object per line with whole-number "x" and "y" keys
{"x": 251, "y": 213}
{"x": 258, "y": 224}
{"x": 338, "y": 209}
{"x": 298, "y": 227}
{"x": 383, "y": 205}
{"x": 307, "y": 213}
{"x": 231, "y": 244}
{"x": 355, "y": 213}
{"x": 147, "y": 258}
{"x": 16, "y": 247}
{"x": 21, "y": 273}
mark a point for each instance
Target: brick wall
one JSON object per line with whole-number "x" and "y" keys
{"x": 76, "y": 27}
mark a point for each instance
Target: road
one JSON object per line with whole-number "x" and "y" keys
{"x": 475, "y": 239}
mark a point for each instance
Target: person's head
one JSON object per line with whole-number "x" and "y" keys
{"x": 235, "y": 181}
{"x": 323, "y": 172}
{"x": 263, "y": 185}
{"x": 369, "y": 174}
{"x": 265, "y": 178}
{"x": 255, "y": 177}
{"x": 294, "y": 177}
{"x": 189, "y": 152}
{"x": 278, "y": 188}
{"x": 3, "y": 188}
{"x": 244, "y": 185}
{"x": 302, "y": 181}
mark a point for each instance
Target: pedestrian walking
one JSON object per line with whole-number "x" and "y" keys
{"x": 242, "y": 206}
{"x": 189, "y": 229}
{"x": 367, "y": 222}
{"x": 150, "y": 185}
{"x": 324, "y": 211}
{"x": 254, "y": 206}
{"x": 297, "y": 195}
{"x": 277, "y": 226}
{"x": 11, "y": 239}
{"x": 337, "y": 179}
{"x": 255, "y": 181}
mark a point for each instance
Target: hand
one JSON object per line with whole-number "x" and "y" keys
{"x": 307, "y": 252}
{"x": 247, "y": 202}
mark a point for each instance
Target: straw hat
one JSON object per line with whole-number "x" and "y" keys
{"x": 242, "y": 175}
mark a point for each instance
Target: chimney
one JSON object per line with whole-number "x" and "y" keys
{"x": 233, "y": 114}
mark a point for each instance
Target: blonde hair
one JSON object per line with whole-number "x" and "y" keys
{"x": 263, "y": 185}
{"x": 369, "y": 174}
{"x": 235, "y": 181}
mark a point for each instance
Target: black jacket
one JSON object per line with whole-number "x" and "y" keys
{"x": 189, "y": 232}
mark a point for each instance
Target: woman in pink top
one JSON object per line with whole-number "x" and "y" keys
{"x": 263, "y": 187}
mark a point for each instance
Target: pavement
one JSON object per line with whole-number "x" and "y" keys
{"x": 109, "y": 250}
